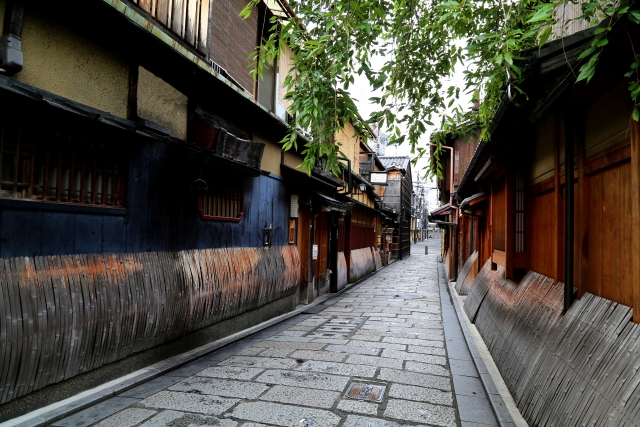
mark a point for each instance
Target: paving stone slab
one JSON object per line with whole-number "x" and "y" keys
{"x": 360, "y": 421}
{"x": 304, "y": 379}
{"x": 277, "y": 352}
{"x": 421, "y": 394}
{"x": 327, "y": 356}
{"x": 358, "y": 407}
{"x": 421, "y": 412}
{"x": 283, "y": 415}
{"x": 234, "y": 372}
{"x": 181, "y": 419}
{"x": 208, "y": 405}
{"x": 416, "y": 357}
{"x": 151, "y": 387}
{"x": 335, "y": 368}
{"x": 415, "y": 378}
{"x": 220, "y": 387}
{"x": 353, "y": 349}
{"x": 251, "y": 351}
{"x": 427, "y": 368}
{"x": 127, "y": 418}
{"x": 415, "y": 342}
{"x": 382, "y": 362}
{"x": 336, "y": 341}
{"x": 259, "y": 362}
{"x": 291, "y": 333}
{"x": 301, "y": 396}
{"x": 292, "y": 345}
{"x": 96, "y": 412}
{"x": 468, "y": 386}
{"x": 426, "y": 350}
{"x": 383, "y": 345}
{"x": 476, "y": 410}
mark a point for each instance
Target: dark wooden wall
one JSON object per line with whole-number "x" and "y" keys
{"x": 160, "y": 213}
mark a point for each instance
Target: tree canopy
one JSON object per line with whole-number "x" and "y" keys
{"x": 421, "y": 43}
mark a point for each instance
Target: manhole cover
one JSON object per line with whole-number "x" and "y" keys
{"x": 361, "y": 391}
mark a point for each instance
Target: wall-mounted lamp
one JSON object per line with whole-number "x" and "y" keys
{"x": 268, "y": 236}
{"x": 393, "y": 210}
{"x": 363, "y": 187}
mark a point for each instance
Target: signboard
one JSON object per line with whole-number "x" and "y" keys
{"x": 378, "y": 178}
{"x": 314, "y": 252}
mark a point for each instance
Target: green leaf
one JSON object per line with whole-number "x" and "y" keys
{"x": 543, "y": 36}
{"x": 636, "y": 114}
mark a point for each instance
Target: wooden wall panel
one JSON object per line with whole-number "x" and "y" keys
{"x": 541, "y": 236}
{"x": 609, "y": 248}
{"x": 499, "y": 200}
{"x": 65, "y": 315}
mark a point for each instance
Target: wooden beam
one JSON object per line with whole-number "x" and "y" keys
{"x": 635, "y": 217}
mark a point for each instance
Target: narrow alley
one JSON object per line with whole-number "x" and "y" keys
{"x": 389, "y": 351}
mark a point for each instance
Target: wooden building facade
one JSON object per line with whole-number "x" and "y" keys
{"x": 142, "y": 185}
{"x": 398, "y": 197}
{"x": 553, "y": 255}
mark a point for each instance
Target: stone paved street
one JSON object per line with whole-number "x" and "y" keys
{"x": 388, "y": 331}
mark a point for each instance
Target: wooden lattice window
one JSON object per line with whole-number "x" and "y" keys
{"x": 223, "y": 201}
{"x": 59, "y": 168}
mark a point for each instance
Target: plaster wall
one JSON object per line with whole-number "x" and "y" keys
{"x": 61, "y": 62}
{"x": 543, "y": 156}
{"x": 607, "y": 120}
{"x": 349, "y": 145}
{"x": 291, "y": 159}
{"x": 161, "y": 103}
{"x": 271, "y": 156}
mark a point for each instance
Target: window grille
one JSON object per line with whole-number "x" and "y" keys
{"x": 59, "y": 168}
{"x": 519, "y": 212}
{"x": 223, "y": 202}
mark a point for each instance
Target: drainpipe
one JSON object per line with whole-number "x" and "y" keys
{"x": 11, "y": 58}
{"x": 568, "y": 211}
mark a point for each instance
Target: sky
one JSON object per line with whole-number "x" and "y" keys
{"x": 361, "y": 91}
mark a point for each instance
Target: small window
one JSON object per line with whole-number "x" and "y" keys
{"x": 59, "y": 168}
{"x": 223, "y": 202}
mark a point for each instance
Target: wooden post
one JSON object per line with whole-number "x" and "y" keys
{"x": 634, "y": 229}
{"x": 583, "y": 213}
{"x": 493, "y": 265}
{"x": 559, "y": 266}
{"x": 509, "y": 237}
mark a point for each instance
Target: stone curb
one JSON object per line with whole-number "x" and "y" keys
{"x": 495, "y": 399}
{"x": 65, "y": 408}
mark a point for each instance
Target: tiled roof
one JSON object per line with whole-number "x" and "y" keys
{"x": 400, "y": 162}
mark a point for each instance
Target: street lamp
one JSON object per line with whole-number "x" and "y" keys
{"x": 363, "y": 187}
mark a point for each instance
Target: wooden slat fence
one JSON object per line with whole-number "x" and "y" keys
{"x": 65, "y": 315}
{"x": 362, "y": 264}
{"x": 342, "y": 271}
{"x": 466, "y": 274}
{"x": 577, "y": 369}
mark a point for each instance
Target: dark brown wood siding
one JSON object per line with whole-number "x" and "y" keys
{"x": 232, "y": 39}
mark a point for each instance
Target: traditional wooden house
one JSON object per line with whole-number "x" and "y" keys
{"x": 143, "y": 191}
{"x": 397, "y": 198}
{"x": 557, "y": 294}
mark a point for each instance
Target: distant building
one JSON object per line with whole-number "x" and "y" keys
{"x": 379, "y": 144}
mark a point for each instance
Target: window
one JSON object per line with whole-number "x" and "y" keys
{"x": 223, "y": 201}
{"x": 59, "y": 168}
